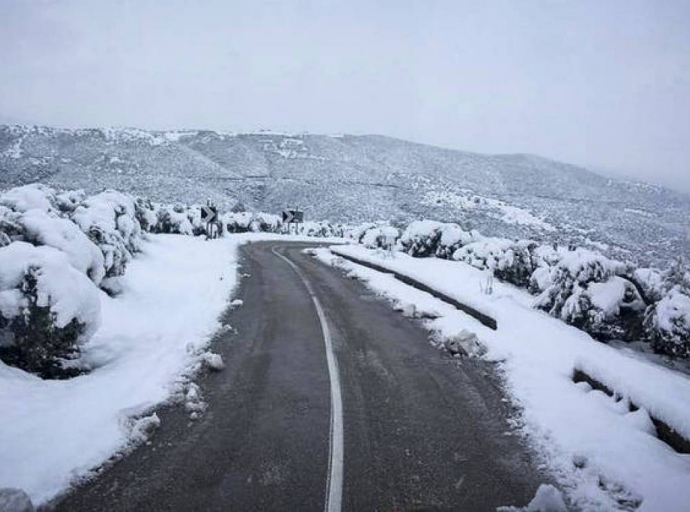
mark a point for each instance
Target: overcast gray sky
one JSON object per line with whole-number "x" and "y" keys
{"x": 601, "y": 83}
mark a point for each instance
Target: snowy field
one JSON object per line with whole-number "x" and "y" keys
{"x": 604, "y": 456}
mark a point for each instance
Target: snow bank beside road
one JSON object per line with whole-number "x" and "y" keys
{"x": 605, "y": 456}
{"x": 54, "y": 431}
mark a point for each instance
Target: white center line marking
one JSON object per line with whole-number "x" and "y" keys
{"x": 334, "y": 484}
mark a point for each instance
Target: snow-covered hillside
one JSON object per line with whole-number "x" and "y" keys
{"x": 358, "y": 178}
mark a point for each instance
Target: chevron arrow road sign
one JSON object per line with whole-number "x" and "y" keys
{"x": 209, "y": 214}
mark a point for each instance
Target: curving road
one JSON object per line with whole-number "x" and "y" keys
{"x": 416, "y": 429}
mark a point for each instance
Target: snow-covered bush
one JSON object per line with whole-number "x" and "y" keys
{"x": 544, "y": 260}
{"x": 320, "y": 228}
{"x": 667, "y": 324}
{"x": 420, "y": 238}
{"x": 146, "y": 214}
{"x": 29, "y": 197}
{"x": 357, "y": 232}
{"x": 650, "y": 282}
{"x": 265, "y": 223}
{"x": 609, "y": 310}
{"x": 55, "y": 249}
{"x": 47, "y": 308}
{"x": 429, "y": 238}
{"x": 380, "y": 237}
{"x": 44, "y": 226}
{"x": 508, "y": 260}
{"x": 41, "y": 228}
{"x": 667, "y": 321}
{"x": 174, "y": 220}
{"x": 67, "y": 201}
{"x": 591, "y": 292}
{"x": 453, "y": 237}
{"x": 109, "y": 220}
{"x": 245, "y": 222}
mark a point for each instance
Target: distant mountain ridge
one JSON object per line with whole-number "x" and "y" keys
{"x": 358, "y": 178}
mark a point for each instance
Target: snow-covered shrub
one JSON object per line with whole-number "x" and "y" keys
{"x": 173, "y": 220}
{"x": 41, "y": 228}
{"x": 265, "y": 223}
{"x": 429, "y": 238}
{"x": 320, "y": 228}
{"x": 590, "y": 291}
{"x": 250, "y": 222}
{"x": 677, "y": 276}
{"x": 667, "y": 321}
{"x": 608, "y": 310}
{"x": 44, "y": 226}
{"x": 667, "y": 324}
{"x": 47, "y": 308}
{"x": 545, "y": 258}
{"x": 245, "y": 222}
{"x": 453, "y": 237}
{"x": 380, "y": 237}
{"x": 357, "y": 232}
{"x": 109, "y": 220}
{"x": 421, "y": 238}
{"x": 10, "y": 225}
{"x": 67, "y": 201}
{"x": 508, "y": 260}
{"x": 146, "y": 214}
{"x": 650, "y": 283}
{"x": 29, "y": 197}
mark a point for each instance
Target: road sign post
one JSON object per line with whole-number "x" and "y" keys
{"x": 293, "y": 216}
{"x": 209, "y": 215}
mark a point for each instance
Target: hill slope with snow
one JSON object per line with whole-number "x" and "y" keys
{"x": 358, "y": 178}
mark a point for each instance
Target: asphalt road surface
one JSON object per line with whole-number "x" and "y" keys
{"x": 400, "y": 426}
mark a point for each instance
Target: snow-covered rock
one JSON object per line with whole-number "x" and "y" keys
{"x": 547, "y": 499}
{"x": 465, "y": 343}
{"x": 213, "y": 361}
{"x": 143, "y": 428}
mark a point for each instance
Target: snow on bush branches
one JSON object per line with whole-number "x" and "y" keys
{"x": 607, "y": 298}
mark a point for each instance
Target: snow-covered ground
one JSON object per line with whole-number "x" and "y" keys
{"x": 604, "y": 456}
{"x": 150, "y": 337}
